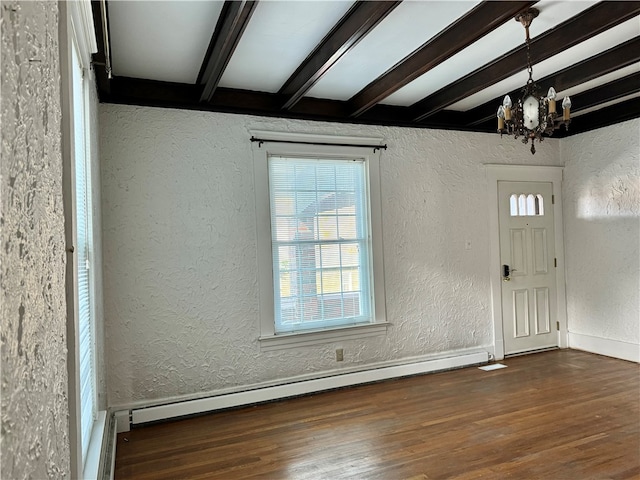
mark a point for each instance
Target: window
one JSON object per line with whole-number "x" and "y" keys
{"x": 86, "y": 423}
{"x": 526, "y": 205}
{"x": 84, "y": 248}
{"x": 320, "y": 241}
{"x": 319, "y": 237}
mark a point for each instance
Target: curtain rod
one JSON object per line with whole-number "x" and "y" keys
{"x": 105, "y": 38}
{"x": 375, "y": 147}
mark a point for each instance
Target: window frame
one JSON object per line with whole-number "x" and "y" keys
{"x": 84, "y": 247}
{"x": 77, "y": 43}
{"x": 319, "y": 146}
{"x": 526, "y": 205}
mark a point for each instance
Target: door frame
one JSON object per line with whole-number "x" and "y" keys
{"x": 523, "y": 173}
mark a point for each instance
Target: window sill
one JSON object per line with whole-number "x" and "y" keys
{"x": 317, "y": 337}
{"x": 94, "y": 452}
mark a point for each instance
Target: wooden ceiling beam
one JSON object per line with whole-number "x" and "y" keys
{"x": 608, "y": 92}
{"x": 603, "y": 63}
{"x": 593, "y": 97}
{"x": 478, "y": 22}
{"x": 99, "y": 59}
{"x": 605, "y": 117}
{"x": 577, "y": 29}
{"x": 361, "y": 18}
{"x": 153, "y": 93}
{"x": 234, "y": 17}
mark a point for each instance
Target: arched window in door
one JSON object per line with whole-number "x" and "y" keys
{"x": 526, "y": 205}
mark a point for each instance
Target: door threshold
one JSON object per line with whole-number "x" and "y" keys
{"x": 529, "y": 352}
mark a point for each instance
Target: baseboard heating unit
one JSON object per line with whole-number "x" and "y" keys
{"x": 293, "y": 388}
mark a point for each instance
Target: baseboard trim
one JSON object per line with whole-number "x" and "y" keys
{"x": 605, "y": 346}
{"x": 123, "y": 420}
{"x": 296, "y": 388}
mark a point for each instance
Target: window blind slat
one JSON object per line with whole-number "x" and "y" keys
{"x": 320, "y": 243}
{"x": 84, "y": 248}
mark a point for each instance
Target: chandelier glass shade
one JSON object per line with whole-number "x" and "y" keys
{"x": 532, "y": 115}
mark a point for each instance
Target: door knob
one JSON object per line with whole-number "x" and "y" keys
{"x": 506, "y": 272}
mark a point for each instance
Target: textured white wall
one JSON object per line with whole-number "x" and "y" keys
{"x": 35, "y": 441}
{"x": 181, "y": 293}
{"x": 601, "y": 192}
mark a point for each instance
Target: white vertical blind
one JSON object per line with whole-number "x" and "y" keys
{"x": 84, "y": 236}
{"x": 320, "y": 243}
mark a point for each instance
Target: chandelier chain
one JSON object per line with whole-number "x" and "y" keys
{"x": 529, "y": 66}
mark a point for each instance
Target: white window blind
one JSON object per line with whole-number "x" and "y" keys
{"x": 320, "y": 243}
{"x": 84, "y": 247}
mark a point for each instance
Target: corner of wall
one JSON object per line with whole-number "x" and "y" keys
{"x": 601, "y": 194}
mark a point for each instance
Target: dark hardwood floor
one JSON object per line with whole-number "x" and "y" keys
{"x": 556, "y": 415}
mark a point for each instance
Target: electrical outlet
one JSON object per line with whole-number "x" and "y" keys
{"x": 339, "y": 354}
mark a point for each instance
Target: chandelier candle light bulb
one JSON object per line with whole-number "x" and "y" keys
{"x": 507, "y": 107}
{"x": 500, "y": 118}
{"x": 566, "y": 107}
{"x": 551, "y": 95}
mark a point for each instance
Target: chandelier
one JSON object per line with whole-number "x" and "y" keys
{"x": 533, "y": 115}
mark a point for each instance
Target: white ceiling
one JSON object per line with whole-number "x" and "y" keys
{"x": 404, "y": 30}
{"x": 500, "y": 41}
{"x": 167, "y": 41}
{"x": 164, "y": 40}
{"x": 599, "y": 43}
{"x": 270, "y": 50}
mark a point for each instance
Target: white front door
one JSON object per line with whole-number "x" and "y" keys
{"x": 527, "y": 262}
